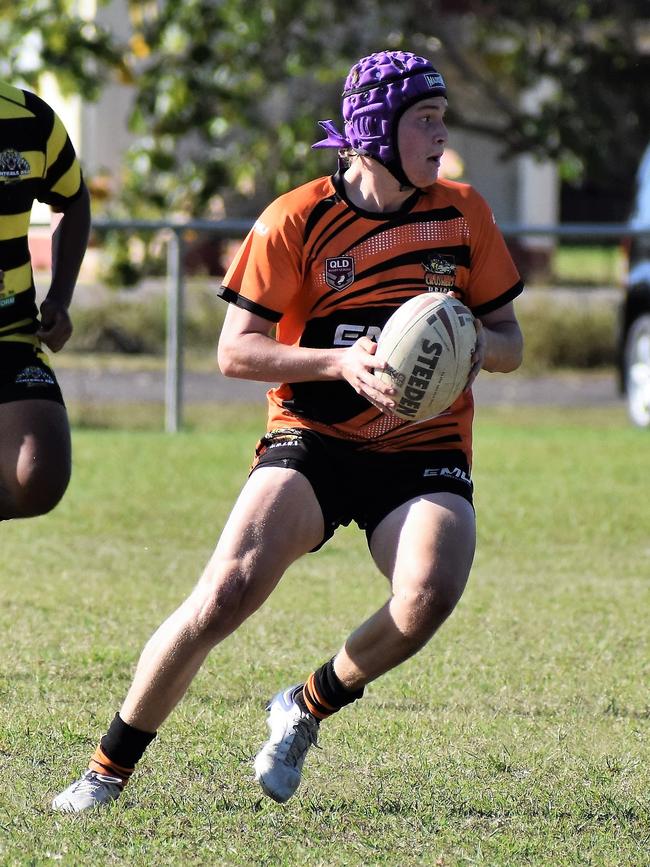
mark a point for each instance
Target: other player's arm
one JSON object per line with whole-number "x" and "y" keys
{"x": 499, "y": 343}
{"x": 69, "y": 243}
{"x": 247, "y": 350}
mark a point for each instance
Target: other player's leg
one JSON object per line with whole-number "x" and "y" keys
{"x": 34, "y": 457}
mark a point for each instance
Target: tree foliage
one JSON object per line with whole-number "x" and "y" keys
{"x": 227, "y": 92}
{"x": 39, "y": 36}
{"x": 588, "y": 61}
{"x": 238, "y": 90}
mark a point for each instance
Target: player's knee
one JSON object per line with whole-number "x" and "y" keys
{"x": 37, "y": 493}
{"x": 220, "y": 606}
{"x": 31, "y": 505}
{"x": 427, "y": 608}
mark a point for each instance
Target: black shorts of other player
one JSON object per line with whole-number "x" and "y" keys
{"x": 25, "y": 374}
{"x": 353, "y": 484}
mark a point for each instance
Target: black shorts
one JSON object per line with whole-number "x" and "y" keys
{"x": 25, "y": 374}
{"x": 356, "y": 485}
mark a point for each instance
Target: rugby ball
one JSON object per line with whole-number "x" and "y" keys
{"x": 427, "y": 345}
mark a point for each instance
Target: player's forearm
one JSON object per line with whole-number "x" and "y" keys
{"x": 504, "y": 349}
{"x": 69, "y": 243}
{"x": 258, "y": 357}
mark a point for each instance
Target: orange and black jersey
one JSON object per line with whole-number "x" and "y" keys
{"x": 329, "y": 273}
{"x": 37, "y": 161}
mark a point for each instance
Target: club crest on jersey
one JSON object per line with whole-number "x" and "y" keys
{"x": 13, "y": 165}
{"x": 440, "y": 272}
{"x": 339, "y": 272}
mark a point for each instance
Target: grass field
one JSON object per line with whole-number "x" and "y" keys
{"x": 518, "y": 736}
{"x": 596, "y": 265}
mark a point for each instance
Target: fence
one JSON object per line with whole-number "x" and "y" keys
{"x": 223, "y": 229}
{"x": 229, "y": 229}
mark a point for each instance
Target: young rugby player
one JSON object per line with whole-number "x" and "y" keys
{"x": 37, "y": 161}
{"x": 313, "y": 283}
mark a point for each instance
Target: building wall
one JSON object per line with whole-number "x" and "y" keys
{"x": 104, "y": 124}
{"x": 521, "y": 191}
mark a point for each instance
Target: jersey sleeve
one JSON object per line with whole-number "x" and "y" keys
{"x": 267, "y": 271}
{"x": 494, "y": 278}
{"x": 62, "y": 180}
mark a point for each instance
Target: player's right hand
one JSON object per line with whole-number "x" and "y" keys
{"x": 56, "y": 327}
{"x": 358, "y": 366}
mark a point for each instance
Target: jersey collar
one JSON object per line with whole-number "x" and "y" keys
{"x": 339, "y": 186}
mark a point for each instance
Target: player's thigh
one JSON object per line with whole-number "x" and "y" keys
{"x": 275, "y": 520}
{"x": 427, "y": 542}
{"x": 34, "y": 443}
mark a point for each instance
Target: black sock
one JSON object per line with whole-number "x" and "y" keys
{"x": 124, "y": 744}
{"x": 323, "y": 693}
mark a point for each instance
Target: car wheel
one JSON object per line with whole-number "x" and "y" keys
{"x": 637, "y": 371}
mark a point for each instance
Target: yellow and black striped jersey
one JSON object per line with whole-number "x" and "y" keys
{"x": 37, "y": 162}
{"x": 328, "y": 273}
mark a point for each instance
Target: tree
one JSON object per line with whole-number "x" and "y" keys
{"x": 37, "y": 37}
{"x": 587, "y": 61}
{"x": 228, "y": 91}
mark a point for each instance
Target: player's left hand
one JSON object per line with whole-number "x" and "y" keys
{"x": 56, "y": 326}
{"x": 478, "y": 356}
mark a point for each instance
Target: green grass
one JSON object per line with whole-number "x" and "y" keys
{"x": 518, "y": 736}
{"x": 588, "y": 265}
{"x": 571, "y": 334}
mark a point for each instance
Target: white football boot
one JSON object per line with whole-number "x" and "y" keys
{"x": 278, "y": 764}
{"x": 92, "y": 790}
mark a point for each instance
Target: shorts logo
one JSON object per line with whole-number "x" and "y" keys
{"x": 6, "y": 302}
{"x": 34, "y": 376}
{"x": 339, "y": 272}
{"x": 13, "y": 166}
{"x": 439, "y": 272}
{"x": 447, "y": 472}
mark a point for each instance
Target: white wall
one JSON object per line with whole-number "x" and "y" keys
{"x": 104, "y": 124}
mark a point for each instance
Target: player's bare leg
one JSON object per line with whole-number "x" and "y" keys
{"x": 34, "y": 457}
{"x": 425, "y": 548}
{"x": 254, "y": 550}
{"x": 275, "y": 520}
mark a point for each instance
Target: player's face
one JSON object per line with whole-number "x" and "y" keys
{"x": 421, "y": 139}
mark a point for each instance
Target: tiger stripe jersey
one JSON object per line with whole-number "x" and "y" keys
{"x": 327, "y": 273}
{"x": 37, "y": 162}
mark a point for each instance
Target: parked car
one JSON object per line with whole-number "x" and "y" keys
{"x": 634, "y": 322}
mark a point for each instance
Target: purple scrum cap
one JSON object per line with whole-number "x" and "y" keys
{"x": 378, "y": 90}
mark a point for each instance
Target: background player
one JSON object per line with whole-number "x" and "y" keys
{"x": 37, "y": 161}
{"x": 323, "y": 268}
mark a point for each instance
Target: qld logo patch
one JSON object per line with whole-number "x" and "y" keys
{"x": 440, "y": 272}
{"x": 339, "y": 272}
